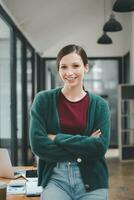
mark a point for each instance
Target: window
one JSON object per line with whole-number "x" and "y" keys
{"x": 5, "y": 101}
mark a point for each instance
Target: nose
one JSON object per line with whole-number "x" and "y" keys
{"x": 69, "y": 71}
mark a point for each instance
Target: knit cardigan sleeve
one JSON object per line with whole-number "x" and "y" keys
{"x": 40, "y": 144}
{"x": 89, "y": 147}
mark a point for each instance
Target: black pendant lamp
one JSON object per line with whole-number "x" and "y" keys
{"x": 112, "y": 25}
{"x": 104, "y": 39}
{"x": 123, "y": 6}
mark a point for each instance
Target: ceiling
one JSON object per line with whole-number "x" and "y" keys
{"x": 51, "y": 24}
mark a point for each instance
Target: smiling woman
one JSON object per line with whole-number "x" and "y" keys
{"x": 69, "y": 132}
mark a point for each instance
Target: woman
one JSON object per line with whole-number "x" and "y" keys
{"x": 69, "y": 132}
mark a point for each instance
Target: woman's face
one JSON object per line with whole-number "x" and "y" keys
{"x": 72, "y": 69}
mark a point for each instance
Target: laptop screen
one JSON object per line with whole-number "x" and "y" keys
{"x": 6, "y": 169}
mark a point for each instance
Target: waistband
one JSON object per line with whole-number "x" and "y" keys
{"x": 66, "y": 164}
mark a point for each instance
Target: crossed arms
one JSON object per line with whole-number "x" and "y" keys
{"x": 56, "y": 147}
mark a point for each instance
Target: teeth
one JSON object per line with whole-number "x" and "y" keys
{"x": 70, "y": 78}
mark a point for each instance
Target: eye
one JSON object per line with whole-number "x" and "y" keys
{"x": 63, "y": 67}
{"x": 76, "y": 66}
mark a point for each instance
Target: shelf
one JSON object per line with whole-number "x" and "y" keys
{"x": 127, "y": 99}
{"x": 127, "y": 145}
{"x": 126, "y": 122}
{"x": 127, "y": 115}
{"x": 127, "y": 130}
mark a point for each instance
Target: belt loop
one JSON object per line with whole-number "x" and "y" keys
{"x": 58, "y": 164}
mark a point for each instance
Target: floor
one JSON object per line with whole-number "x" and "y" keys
{"x": 121, "y": 177}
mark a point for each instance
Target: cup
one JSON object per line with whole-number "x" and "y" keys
{"x": 3, "y": 191}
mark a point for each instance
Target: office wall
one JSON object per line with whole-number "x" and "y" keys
{"x": 89, "y": 33}
{"x": 88, "y": 30}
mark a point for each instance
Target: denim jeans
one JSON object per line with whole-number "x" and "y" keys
{"x": 66, "y": 184}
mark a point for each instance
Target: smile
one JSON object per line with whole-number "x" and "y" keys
{"x": 71, "y": 78}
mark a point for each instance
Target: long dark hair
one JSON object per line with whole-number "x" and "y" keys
{"x": 71, "y": 48}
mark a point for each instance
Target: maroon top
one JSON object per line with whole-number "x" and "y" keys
{"x": 72, "y": 115}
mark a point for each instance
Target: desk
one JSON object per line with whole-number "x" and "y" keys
{"x": 18, "y": 196}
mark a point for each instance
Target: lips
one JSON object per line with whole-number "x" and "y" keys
{"x": 71, "y": 78}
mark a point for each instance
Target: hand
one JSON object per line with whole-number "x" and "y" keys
{"x": 51, "y": 136}
{"x": 96, "y": 133}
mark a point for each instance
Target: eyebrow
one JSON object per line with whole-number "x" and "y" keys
{"x": 71, "y": 63}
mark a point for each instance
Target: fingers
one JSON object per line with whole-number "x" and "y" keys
{"x": 51, "y": 136}
{"x": 96, "y": 133}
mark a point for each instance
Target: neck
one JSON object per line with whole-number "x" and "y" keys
{"x": 73, "y": 94}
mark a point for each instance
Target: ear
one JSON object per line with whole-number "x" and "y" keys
{"x": 86, "y": 68}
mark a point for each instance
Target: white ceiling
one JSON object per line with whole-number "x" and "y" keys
{"x": 51, "y": 24}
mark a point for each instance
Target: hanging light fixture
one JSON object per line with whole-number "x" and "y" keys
{"x": 112, "y": 25}
{"x": 123, "y": 6}
{"x": 104, "y": 39}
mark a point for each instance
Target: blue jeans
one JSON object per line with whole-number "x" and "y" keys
{"x": 66, "y": 184}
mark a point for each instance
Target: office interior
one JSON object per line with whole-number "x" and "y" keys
{"x": 31, "y": 34}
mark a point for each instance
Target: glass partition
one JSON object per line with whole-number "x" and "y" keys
{"x": 29, "y": 71}
{"x": 102, "y": 79}
{"x": 5, "y": 100}
{"x": 19, "y": 98}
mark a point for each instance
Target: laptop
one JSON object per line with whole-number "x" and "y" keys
{"x": 6, "y": 168}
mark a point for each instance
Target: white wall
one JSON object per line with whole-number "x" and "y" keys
{"x": 90, "y": 30}
{"x": 89, "y": 33}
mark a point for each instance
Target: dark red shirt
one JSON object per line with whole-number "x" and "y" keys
{"x": 73, "y": 115}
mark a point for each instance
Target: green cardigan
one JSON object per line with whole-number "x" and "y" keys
{"x": 67, "y": 147}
